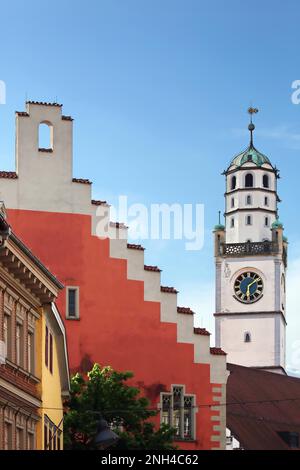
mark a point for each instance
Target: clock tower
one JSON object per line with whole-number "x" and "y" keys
{"x": 251, "y": 261}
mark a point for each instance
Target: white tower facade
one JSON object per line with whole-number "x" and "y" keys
{"x": 251, "y": 261}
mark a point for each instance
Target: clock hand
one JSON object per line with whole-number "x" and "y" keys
{"x": 253, "y": 282}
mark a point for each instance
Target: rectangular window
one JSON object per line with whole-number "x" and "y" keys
{"x": 266, "y": 221}
{"x": 52, "y": 435}
{"x": 19, "y": 438}
{"x": 46, "y": 346}
{"x": 7, "y": 335}
{"x": 45, "y": 436}
{"x": 30, "y": 349}
{"x": 51, "y": 352}
{"x": 58, "y": 440}
{"x": 188, "y": 410}
{"x": 19, "y": 345}
{"x": 166, "y": 410}
{"x": 177, "y": 411}
{"x": 30, "y": 441}
{"x": 72, "y": 302}
{"x": 7, "y": 436}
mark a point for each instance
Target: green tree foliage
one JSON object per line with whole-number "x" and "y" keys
{"x": 105, "y": 391}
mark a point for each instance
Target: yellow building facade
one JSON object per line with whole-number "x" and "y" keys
{"x": 34, "y": 375}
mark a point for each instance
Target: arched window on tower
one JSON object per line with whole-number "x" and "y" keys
{"x": 267, "y": 222}
{"x": 232, "y": 202}
{"x": 248, "y": 200}
{"x": 266, "y": 181}
{"x": 249, "y": 180}
{"x": 266, "y": 201}
{"x": 248, "y": 220}
{"x": 247, "y": 337}
{"x": 45, "y": 137}
{"x": 233, "y": 182}
{"x": 232, "y": 222}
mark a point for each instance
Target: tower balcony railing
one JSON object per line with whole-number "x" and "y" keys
{"x": 249, "y": 248}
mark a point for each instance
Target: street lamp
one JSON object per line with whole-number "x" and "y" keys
{"x": 105, "y": 437}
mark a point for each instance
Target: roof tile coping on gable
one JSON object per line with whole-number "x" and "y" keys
{"x": 152, "y": 268}
{"x": 185, "y": 310}
{"x": 202, "y": 331}
{"x": 170, "y": 290}
{"x": 218, "y": 352}
{"x": 8, "y": 174}
{"x": 44, "y": 103}
{"x": 133, "y": 246}
{"x": 99, "y": 203}
{"x": 81, "y": 180}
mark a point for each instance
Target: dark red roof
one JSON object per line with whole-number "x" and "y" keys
{"x": 185, "y": 310}
{"x": 260, "y": 405}
{"x": 217, "y": 351}
{"x": 8, "y": 174}
{"x": 81, "y": 180}
{"x": 132, "y": 246}
{"x": 170, "y": 290}
{"x": 202, "y": 331}
{"x": 152, "y": 268}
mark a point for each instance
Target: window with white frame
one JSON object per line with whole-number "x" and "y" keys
{"x": 72, "y": 303}
{"x": 178, "y": 411}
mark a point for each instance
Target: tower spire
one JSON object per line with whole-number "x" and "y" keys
{"x": 251, "y": 126}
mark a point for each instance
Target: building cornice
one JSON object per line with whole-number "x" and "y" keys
{"x": 260, "y": 313}
{"x": 250, "y": 209}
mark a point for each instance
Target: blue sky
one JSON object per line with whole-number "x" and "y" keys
{"x": 159, "y": 92}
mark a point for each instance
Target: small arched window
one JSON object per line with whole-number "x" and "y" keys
{"x": 232, "y": 202}
{"x": 267, "y": 222}
{"x": 233, "y": 182}
{"x": 266, "y": 201}
{"x": 45, "y": 137}
{"x": 266, "y": 181}
{"x": 247, "y": 337}
{"x": 249, "y": 180}
{"x": 248, "y": 200}
{"x": 248, "y": 220}
{"x": 232, "y": 222}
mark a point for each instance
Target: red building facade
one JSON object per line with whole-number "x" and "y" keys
{"x": 115, "y": 310}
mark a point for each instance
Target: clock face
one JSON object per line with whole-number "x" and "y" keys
{"x": 248, "y": 287}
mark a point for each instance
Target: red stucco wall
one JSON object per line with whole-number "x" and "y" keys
{"x": 116, "y": 327}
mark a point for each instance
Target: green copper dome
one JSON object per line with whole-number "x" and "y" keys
{"x": 251, "y": 154}
{"x": 277, "y": 224}
{"x": 219, "y": 227}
